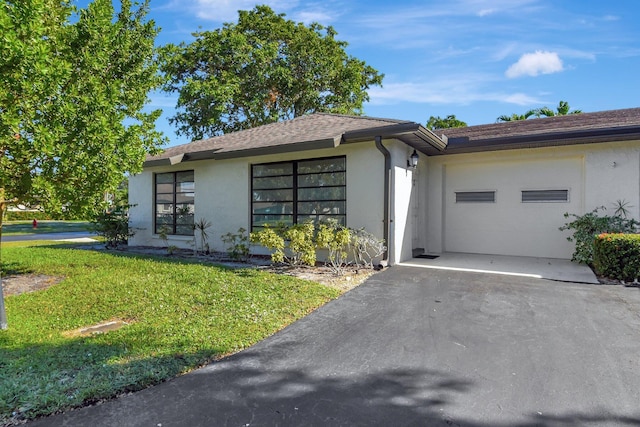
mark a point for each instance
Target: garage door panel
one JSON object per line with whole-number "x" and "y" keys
{"x": 509, "y": 226}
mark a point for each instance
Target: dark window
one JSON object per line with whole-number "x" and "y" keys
{"x": 174, "y": 202}
{"x": 529, "y": 196}
{"x": 475, "y": 196}
{"x": 298, "y": 191}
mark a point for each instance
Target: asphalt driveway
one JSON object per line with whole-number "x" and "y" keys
{"x": 417, "y": 346}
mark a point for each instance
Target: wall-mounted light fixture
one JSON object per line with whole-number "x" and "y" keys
{"x": 412, "y": 161}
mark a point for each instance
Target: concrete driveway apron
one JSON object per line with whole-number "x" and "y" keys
{"x": 415, "y": 346}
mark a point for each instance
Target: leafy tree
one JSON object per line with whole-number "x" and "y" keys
{"x": 73, "y": 84}
{"x": 262, "y": 69}
{"x": 437, "y": 122}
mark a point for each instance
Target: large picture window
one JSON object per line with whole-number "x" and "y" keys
{"x": 174, "y": 202}
{"x": 299, "y": 191}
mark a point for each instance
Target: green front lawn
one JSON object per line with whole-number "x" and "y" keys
{"x": 180, "y": 315}
{"x": 12, "y": 228}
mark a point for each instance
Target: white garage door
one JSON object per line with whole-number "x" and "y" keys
{"x": 511, "y": 208}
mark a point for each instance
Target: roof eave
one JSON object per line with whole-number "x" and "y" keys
{"x": 234, "y": 154}
{"x": 559, "y": 138}
{"x": 411, "y": 133}
{"x": 179, "y": 158}
{"x": 279, "y": 149}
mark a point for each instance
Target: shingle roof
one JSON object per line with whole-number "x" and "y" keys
{"x": 558, "y": 130}
{"x": 317, "y": 130}
{"x": 322, "y": 130}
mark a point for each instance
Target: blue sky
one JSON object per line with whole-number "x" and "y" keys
{"x": 477, "y": 59}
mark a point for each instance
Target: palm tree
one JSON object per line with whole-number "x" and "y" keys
{"x": 563, "y": 109}
{"x": 515, "y": 116}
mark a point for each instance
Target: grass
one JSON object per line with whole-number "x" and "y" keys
{"x": 180, "y": 315}
{"x": 14, "y": 228}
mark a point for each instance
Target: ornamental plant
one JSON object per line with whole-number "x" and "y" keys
{"x": 302, "y": 248}
{"x": 586, "y": 227}
{"x": 366, "y": 247}
{"x": 268, "y": 238}
{"x": 237, "y": 244}
{"x": 114, "y": 227}
{"x": 617, "y": 256}
{"x": 336, "y": 239}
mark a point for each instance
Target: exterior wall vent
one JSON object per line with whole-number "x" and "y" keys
{"x": 533, "y": 196}
{"x": 475, "y": 196}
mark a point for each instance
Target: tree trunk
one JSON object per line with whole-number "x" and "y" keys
{"x": 3, "y": 314}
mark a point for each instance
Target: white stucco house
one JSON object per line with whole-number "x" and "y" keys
{"x": 494, "y": 189}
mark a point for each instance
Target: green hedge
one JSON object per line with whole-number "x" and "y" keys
{"x": 26, "y": 216}
{"x": 617, "y": 256}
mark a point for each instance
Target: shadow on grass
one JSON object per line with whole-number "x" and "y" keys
{"x": 260, "y": 389}
{"x": 45, "y": 227}
{"x": 14, "y": 268}
{"x": 164, "y": 258}
{"x": 40, "y": 379}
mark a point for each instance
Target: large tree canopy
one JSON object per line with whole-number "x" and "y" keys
{"x": 73, "y": 85}
{"x": 72, "y": 89}
{"x": 262, "y": 69}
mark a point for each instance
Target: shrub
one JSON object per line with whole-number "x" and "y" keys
{"x": 302, "y": 248}
{"x": 200, "y": 226}
{"x": 296, "y": 245}
{"x": 268, "y": 238}
{"x": 113, "y": 226}
{"x": 336, "y": 239}
{"x": 617, "y": 256}
{"x": 26, "y": 216}
{"x": 586, "y": 227}
{"x": 366, "y": 247}
{"x": 237, "y": 244}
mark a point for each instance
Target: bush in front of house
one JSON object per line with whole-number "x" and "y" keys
{"x": 237, "y": 245}
{"x": 335, "y": 238}
{"x": 297, "y": 244}
{"x": 114, "y": 227}
{"x": 617, "y": 256}
{"x": 586, "y": 227}
{"x": 293, "y": 245}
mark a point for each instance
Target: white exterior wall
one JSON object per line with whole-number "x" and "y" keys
{"x": 612, "y": 172}
{"x": 404, "y": 226}
{"x": 595, "y": 174}
{"x": 222, "y": 193}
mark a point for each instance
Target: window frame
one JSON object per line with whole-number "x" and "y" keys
{"x": 173, "y": 227}
{"x": 295, "y": 188}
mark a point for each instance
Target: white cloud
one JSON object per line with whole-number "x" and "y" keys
{"x": 485, "y": 12}
{"x": 227, "y": 10}
{"x": 309, "y": 16}
{"x": 457, "y": 90}
{"x": 533, "y": 64}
